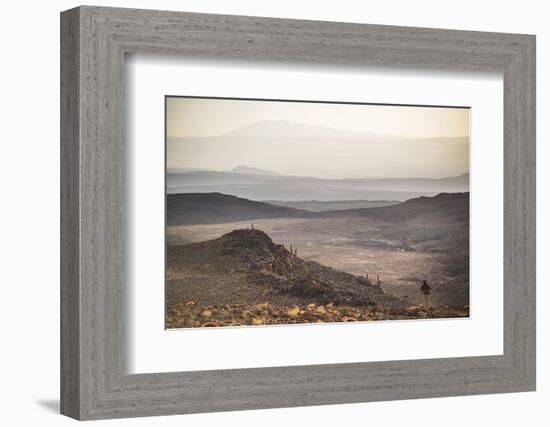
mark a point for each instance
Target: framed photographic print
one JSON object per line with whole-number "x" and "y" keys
{"x": 323, "y": 212}
{"x": 273, "y": 217}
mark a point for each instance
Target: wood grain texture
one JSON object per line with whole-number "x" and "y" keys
{"x": 95, "y": 383}
{"x": 70, "y": 292}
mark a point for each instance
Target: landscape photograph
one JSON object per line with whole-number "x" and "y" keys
{"x": 298, "y": 212}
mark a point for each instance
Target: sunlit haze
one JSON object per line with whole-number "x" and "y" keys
{"x": 317, "y": 139}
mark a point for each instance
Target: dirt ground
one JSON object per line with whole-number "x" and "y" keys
{"x": 359, "y": 246}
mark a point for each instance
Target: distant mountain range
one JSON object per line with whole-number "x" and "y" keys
{"x": 288, "y": 147}
{"x": 280, "y": 129}
{"x": 215, "y": 208}
{"x": 258, "y": 184}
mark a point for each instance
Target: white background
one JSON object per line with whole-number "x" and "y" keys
{"x": 152, "y": 349}
{"x": 29, "y": 170}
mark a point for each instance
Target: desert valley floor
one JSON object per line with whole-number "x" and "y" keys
{"x": 288, "y": 265}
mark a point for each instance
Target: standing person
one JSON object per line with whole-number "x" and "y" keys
{"x": 425, "y": 289}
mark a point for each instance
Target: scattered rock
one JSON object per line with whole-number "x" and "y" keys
{"x": 294, "y": 312}
{"x": 193, "y": 316}
{"x": 378, "y": 316}
{"x": 209, "y": 324}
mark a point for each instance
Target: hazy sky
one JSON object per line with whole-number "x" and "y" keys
{"x": 193, "y": 117}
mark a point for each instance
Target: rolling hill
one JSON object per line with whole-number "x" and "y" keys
{"x": 245, "y": 265}
{"x": 337, "y": 205}
{"x": 212, "y": 208}
{"x": 451, "y": 207}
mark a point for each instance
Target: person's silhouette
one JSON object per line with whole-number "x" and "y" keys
{"x": 425, "y": 289}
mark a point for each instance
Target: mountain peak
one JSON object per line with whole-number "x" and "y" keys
{"x": 248, "y": 240}
{"x": 247, "y": 170}
{"x": 285, "y": 129}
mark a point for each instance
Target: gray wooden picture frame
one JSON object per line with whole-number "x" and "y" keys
{"x": 94, "y": 41}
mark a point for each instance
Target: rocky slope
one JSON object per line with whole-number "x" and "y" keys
{"x": 246, "y": 267}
